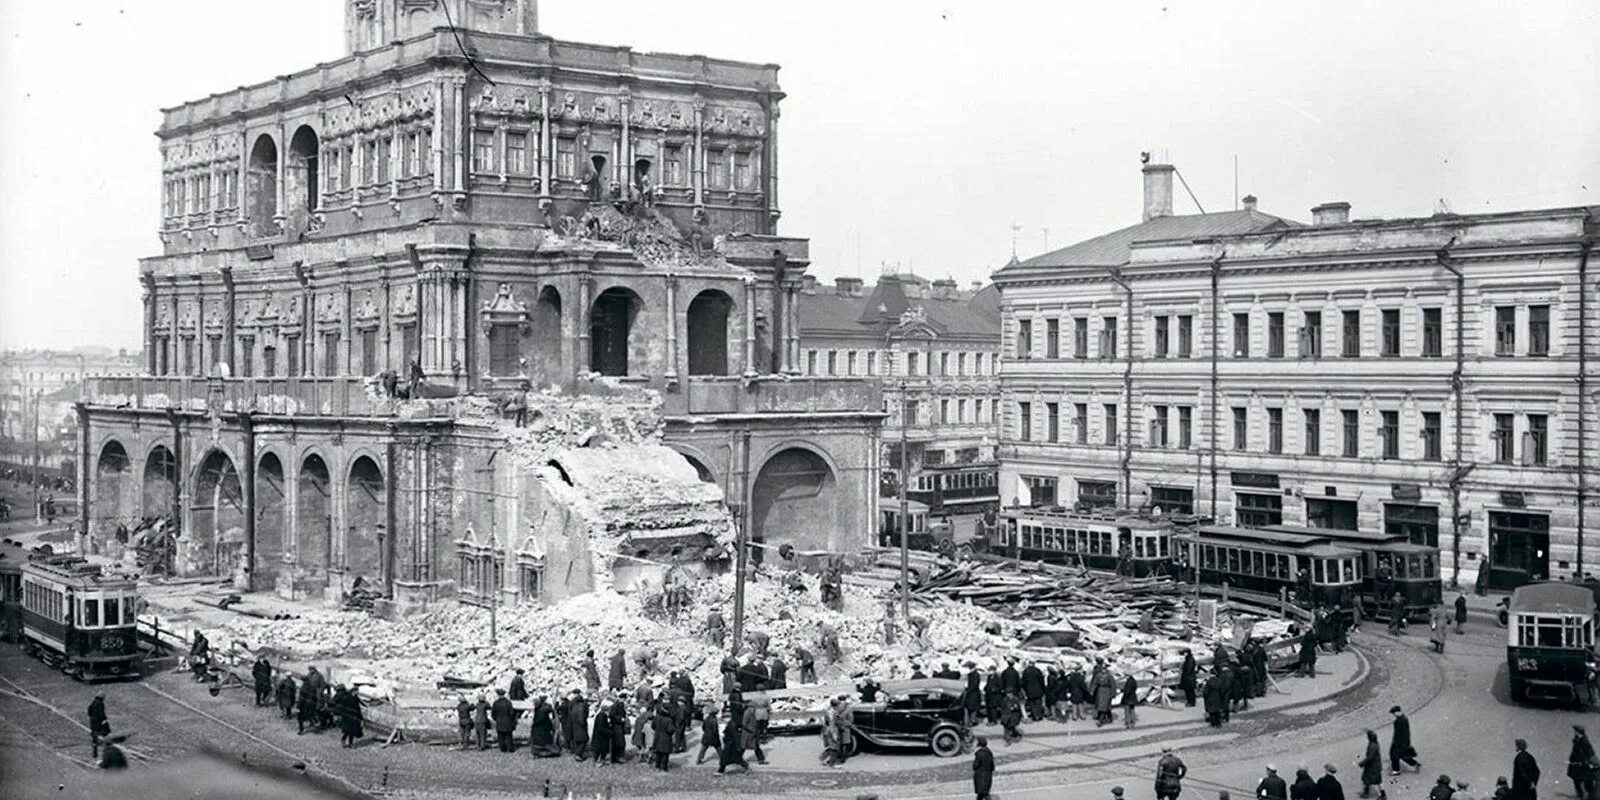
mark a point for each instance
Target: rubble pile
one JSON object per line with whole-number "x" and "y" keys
{"x": 654, "y": 239}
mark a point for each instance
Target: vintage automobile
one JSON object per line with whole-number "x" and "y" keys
{"x": 1550, "y": 640}
{"x": 920, "y": 713}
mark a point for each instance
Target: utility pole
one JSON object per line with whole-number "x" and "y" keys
{"x": 741, "y": 558}
{"x": 38, "y": 510}
{"x": 905, "y": 515}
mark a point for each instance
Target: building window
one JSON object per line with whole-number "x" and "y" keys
{"x": 944, "y": 364}
{"x": 1505, "y": 330}
{"x": 908, "y": 412}
{"x": 1080, "y": 337}
{"x": 1052, "y": 338}
{"x": 385, "y": 149}
{"x": 1108, "y": 337}
{"x": 1241, "y": 335}
{"x": 1391, "y": 332}
{"x": 1331, "y": 513}
{"x": 961, "y": 364}
{"x": 1025, "y": 422}
{"x": 1241, "y": 428}
{"x": 1185, "y": 336}
{"x": 1080, "y": 420}
{"x": 1172, "y": 500}
{"x": 1432, "y": 332}
{"x": 244, "y": 359}
{"x": 1253, "y": 510}
{"x": 1351, "y": 425}
{"x": 1504, "y": 443}
{"x": 1024, "y": 338}
{"x": 944, "y": 412}
{"x": 1418, "y": 524}
{"x": 517, "y": 153}
{"x": 566, "y": 157}
{"x": 911, "y": 363}
{"x": 1161, "y": 337}
{"x": 980, "y": 410}
{"x": 1313, "y": 420}
{"x": 1311, "y": 336}
{"x": 675, "y": 174}
{"x": 743, "y": 175}
{"x": 1431, "y": 436}
{"x": 369, "y": 352}
{"x": 330, "y": 354}
{"x": 811, "y": 362}
{"x": 1538, "y": 330}
{"x": 1158, "y": 427}
{"x": 833, "y": 362}
{"x": 1350, "y": 330}
{"x": 291, "y": 349}
{"x": 1041, "y": 490}
{"x": 850, "y": 363}
{"x": 1052, "y": 414}
{"x": 1185, "y": 427}
{"x": 334, "y": 170}
{"x": 1389, "y": 434}
{"x": 482, "y": 150}
{"x": 1275, "y": 430}
{"x": 1097, "y": 494}
{"x": 717, "y": 168}
{"x": 1535, "y": 451}
{"x": 530, "y": 577}
{"x": 269, "y": 361}
{"x": 1111, "y": 423}
{"x": 872, "y": 362}
{"x": 961, "y": 410}
{"x": 1275, "y": 334}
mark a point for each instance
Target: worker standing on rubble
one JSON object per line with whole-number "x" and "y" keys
{"x": 619, "y": 670}
{"x": 1186, "y": 677}
{"x": 716, "y": 628}
{"x": 807, "y": 664}
{"x": 1033, "y": 688}
{"x": 760, "y": 643}
{"x": 890, "y": 629}
{"x": 830, "y": 644}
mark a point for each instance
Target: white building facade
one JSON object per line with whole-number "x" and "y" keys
{"x": 1426, "y": 376}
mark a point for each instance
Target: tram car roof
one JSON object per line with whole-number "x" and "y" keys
{"x": 1120, "y": 516}
{"x": 1553, "y": 597}
{"x": 1293, "y": 541}
{"x": 893, "y": 504}
{"x": 1341, "y": 534}
{"x": 75, "y": 570}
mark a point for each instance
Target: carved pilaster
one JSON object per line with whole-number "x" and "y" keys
{"x": 672, "y": 328}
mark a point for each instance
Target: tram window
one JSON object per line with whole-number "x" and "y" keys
{"x": 1318, "y": 571}
{"x": 1233, "y": 560}
{"x": 1429, "y": 569}
{"x": 1256, "y": 566}
{"x": 91, "y": 612}
{"x": 113, "y": 611}
{"x": 1349, "y": 570}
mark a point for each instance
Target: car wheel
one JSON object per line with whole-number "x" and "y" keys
{"x": 946, "y": 742}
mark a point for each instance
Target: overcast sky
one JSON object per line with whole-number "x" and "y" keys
{"x": 914, "y": 133}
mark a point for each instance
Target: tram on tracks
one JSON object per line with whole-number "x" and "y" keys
{"x": 1311, "y": 569}
{"x": 78, "y": 619}
{"x": 12, "y": 557}
{"x": 956, "y": 488}
{"x": 1550, "y": 641}
{"x": 1390, "y": 565}
{"x": 1127, "y": 542}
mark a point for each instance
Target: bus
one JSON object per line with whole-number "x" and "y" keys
{"x": 1549, "y": 641}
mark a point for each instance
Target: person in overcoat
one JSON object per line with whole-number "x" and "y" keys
{"x": 1105, "y": 689}
{"x": 505, "y": 720}
{"x": 1304, "y": 786}
{"x": 1078, "y": 685}
{"x": 578, "y": 726}
{"x": 542, "y": 732}
{"x": 1214, "y": 700}
{"x": 972, "y": 698}
{"x": 1011, "y": 719}
{"x": 619, "y": 732}
{"x": 1524, "y": 774}
{"x": 661, "y": 745}
{"x": 619, "y": 670}
{"x": 600, "y": 740}
{"x": 1129, "y": 701}
{"x": 1371, "y": 765}
{"x": 1010, "y": 679}
{"x": 982, "y": 769}
{"x": 1187, "y": 675}
{"x": 261, "y": 672}
{"x": 286, "y": 694}
{"x": 480, "y": 722}
{"x": 306, "y": 707}
{"x": 1581, "y": 764}
{"x": 993, "y": 697}
{"x": 591, "y": 673}
{"x": 1400, "y": 749}
{"x": 350, "y": 717}
{"x": 643, "y": 730}
{"x": 732, "y": 753}
{"x": 750, "y": 730}
{"x": 99, "y": 726}
{"x": 1328, "y": 786}
{"x": 709, "y": 738}
{"x": 1033, "y": 688}
{"x": 1170, "y": 772}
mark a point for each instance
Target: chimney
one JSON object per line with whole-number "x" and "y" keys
{"x": 1157, "y": 191}
{"x": 1330, "y": 214}
{"x": 1249, "y": 202}
{"x": 808, "y": 284}
{"x": 847, "y": 287}
{"x": 944, "y": 289}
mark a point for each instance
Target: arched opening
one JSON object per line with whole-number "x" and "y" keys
{"x": 160, "y": 482}
{"x": 641, "y": 175}
{"x": 707, "y": 333}
{"x": 597, "y": 177}
{"x": 313, "y": 527}
{"x": 261, "y": 187}
{"x": 271, "y": 533}
{"x": 794, "y": 501}
{"x": 547, "y": 338}
{"x": 611, "y": 331}
{"x": 302, "y": 174}
{"x": 364, "y": 514}
{"x": 109, "y": 504}
{"x": 215, "y": 541}
{"x": 700, "y": 469}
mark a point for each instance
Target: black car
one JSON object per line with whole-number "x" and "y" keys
{"x": 925, "y": 712}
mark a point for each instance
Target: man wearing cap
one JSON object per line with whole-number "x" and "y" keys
{"x": 1581, "y": 764}
{"x": 1461, "y": 791}
{"x": 1524, "y": 774}
{"x": 1400, "y": 749}
{"x": 1170, "y": 771}
{"x": 1328, "y": 786}
{"x": 1442, "y": 789}
{"x": 505, "y": 720}
{"x": 1272, "y": 787}
{"x": 982, "y": 769}
{"x": 98, "y": 725}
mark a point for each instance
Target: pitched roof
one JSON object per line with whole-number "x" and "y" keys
{"x": 1113, "y": 249}
{"x": 880, "y": 309}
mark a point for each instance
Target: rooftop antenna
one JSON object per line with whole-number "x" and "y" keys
{"x": 1015, "y": 228}
{"x": 1047, "y": 239}
{"x": 1235, "y": 181}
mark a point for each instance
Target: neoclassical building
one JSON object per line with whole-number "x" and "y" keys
{"x": 465, "y": 200}
{"x": 1426, "y": 376}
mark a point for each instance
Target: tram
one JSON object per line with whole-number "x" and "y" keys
{"x": 1266, "y": 561}
{"x": 1551, "y": 634}
{"x": 1390, "y": 564}
{"x": 78, "y": 619}
{"x": 12, "y": 557}
{"x": 956, "y": 488}
{"x": 1127, "y": 542}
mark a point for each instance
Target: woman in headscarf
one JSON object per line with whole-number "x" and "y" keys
{"x": 542, "y": 734}
{"x": 1371, "y": 765}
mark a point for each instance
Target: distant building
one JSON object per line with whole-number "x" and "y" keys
{"x": 936, "y": 347}
{"x": 1425, "y": 376}
{"x": 55, "y": 379}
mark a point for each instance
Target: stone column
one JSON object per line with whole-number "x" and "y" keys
{"x": 791, "y": 332}
{"x": 229, "y": 323}
{"x": 750, "y": 326}
{"x": 173, "y": 367}
{"x": 625, "y": 147}
{"x": 346, "y": 330}
{"x": 149, "y": 297}
{"x": 436, "y": 140}
{"x": 545, "y": 156}
{"x": 278, "y": 215}
{"x": 459, "y": 170}
{"x": 200, "y": 324}
{"x": 386, "y": 328}
{"x": 585, "y": 289}
{"x": 672, "y": 327}
{"x": 772, "y": 166}
{"x": 698, "y": 160}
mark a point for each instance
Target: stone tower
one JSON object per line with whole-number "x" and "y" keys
{"x": 370, "y": 24}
